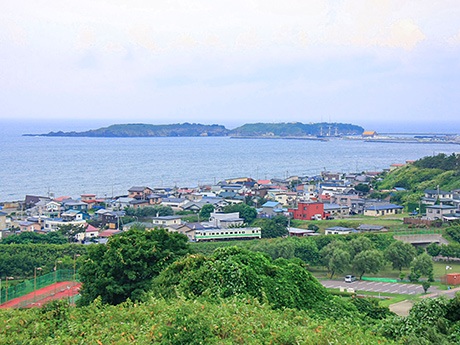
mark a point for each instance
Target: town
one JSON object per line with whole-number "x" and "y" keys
{"x": 211, "y": 212}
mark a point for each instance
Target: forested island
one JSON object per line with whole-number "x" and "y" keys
{"x": 294, "y": 129}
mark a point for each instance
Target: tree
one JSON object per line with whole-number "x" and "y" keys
{"x": 270, "y": 229}
{"x": 363, "y": 188}
{"x": 433, "y": 249}
{"x": 313, "y": 227}
{"x": 70, "y": 231}
{"x": 360, "y": 244}
{"x": 400, "y": 254}
{"x": 426, "y": 285}
{"x": 206, "y": 211}
{"x": 339, "y": 262}
{"x": 422, "y": 265}
{"x": 246, "y": 212}
{"x": 327, "y": 252}
{"x": 368, "y": 261}
{"x": 125, "y": 267}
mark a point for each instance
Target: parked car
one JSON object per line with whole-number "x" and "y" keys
{"x": 349, "y": 279}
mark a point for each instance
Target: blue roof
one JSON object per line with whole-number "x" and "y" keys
{"x": 271, "y": 204}
{"x": 384, "y": 207}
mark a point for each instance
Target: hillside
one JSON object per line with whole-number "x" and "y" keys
{"x": 146, "y": 130}
{"x": 425, "y": 173}
{"x": 296, "y": 129}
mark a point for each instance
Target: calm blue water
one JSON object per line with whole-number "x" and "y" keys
{"x": 72, "y": 166}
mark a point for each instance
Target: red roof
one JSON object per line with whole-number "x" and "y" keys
{"x": 264, "y": 182}
{"x": 91, "y": 228}
{"x": 108, "y": 233}
{"x": 62, "y": 198}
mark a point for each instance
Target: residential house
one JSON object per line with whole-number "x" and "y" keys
{"x": 3, "y": 220}
{"x": 440, "y": 211}
{"x": 334, "y": 210}
{"x": 31, "y": 200}
{"x": 331, "y": 176}
{"x": 75, "y": 205}
{"x": 308, "y": 211}
{"x": 139, "y": 192}
{"x": 432, "y": 196}
{"x": 139, "y": 203}
{"x": 154, "y": 199}
{"x": 52, "y": 224}
{"x": 339, "y": 230}
{"x": 175, "y": 203}
{"x": 166, "y": 221}
{"x": 53, "y": 209}
{"x": 89, "y": 233}
{"x": 381, "y": 209}
{"x": 354, "y": 202}
{"x": 225, "y": 220}
{"x": 297, "y": 232}
{"x": 112, "y": 219}
{"x": 270, "y": 209}
{"x": 145, "y": 225}
{"x": 28, "y": 226}
{"x": 121, "y": 203}
{"x": 72, "y": 215}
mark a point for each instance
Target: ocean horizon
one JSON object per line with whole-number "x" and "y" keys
{"x": 110, "y": 166}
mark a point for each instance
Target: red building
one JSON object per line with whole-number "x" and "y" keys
{"x": 308, "y": 211}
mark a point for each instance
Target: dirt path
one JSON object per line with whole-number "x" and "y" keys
{"x": 401, "y": 308}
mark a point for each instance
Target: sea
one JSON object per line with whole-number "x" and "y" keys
{"x": 63, "y": 166}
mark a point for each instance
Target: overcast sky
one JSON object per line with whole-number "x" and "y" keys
{"x": 231, "y": 62}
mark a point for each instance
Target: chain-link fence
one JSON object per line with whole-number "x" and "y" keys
{"x": 9, "y": 292}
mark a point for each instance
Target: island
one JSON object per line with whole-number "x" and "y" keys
{"x": 251, "y": 130}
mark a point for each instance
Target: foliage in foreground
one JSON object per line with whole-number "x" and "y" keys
{"x": 233, "y": 271}
{"x": 176, "y": 322}
{"x": 124, "y": 267}
{"x": 430, "y": 321}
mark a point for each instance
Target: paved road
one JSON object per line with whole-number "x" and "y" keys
{"x": 397, "y": 288}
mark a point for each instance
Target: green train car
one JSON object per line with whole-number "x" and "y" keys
{"x": 227, "y": 234}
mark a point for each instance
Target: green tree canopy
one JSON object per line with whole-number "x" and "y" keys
{"x": 125, "y": 266}
{"x": 206, "y": 211}
{"x": 423, "y": 265}
{"x": 400, "y": 254}
{"x": 360, "y": 244}
{"x": 368, "y": 261}
{"x": 248, "y": 213}
{"x": 232, "y": 271}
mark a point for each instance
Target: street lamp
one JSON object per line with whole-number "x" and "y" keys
{"x": 6, "y": 291}
{"x": 35, "y": 282}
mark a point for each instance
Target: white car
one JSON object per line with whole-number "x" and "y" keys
{"x": 349, "y": 279}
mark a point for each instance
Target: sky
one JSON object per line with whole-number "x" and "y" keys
{"x": 366, "y": 62}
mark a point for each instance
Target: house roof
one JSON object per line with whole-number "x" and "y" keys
{"x": 271, "y": 204}
{"x": 137, "y": 189}
{"x": 108, "y": 233}
{"x": 166, "y": 218}
{"x": 91, "y": 228}
{"x": 435, "y": 191}
{"x": 383, "y": 207}
{"x": 441, "y": 207}
{"x": 340, "y": 228}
